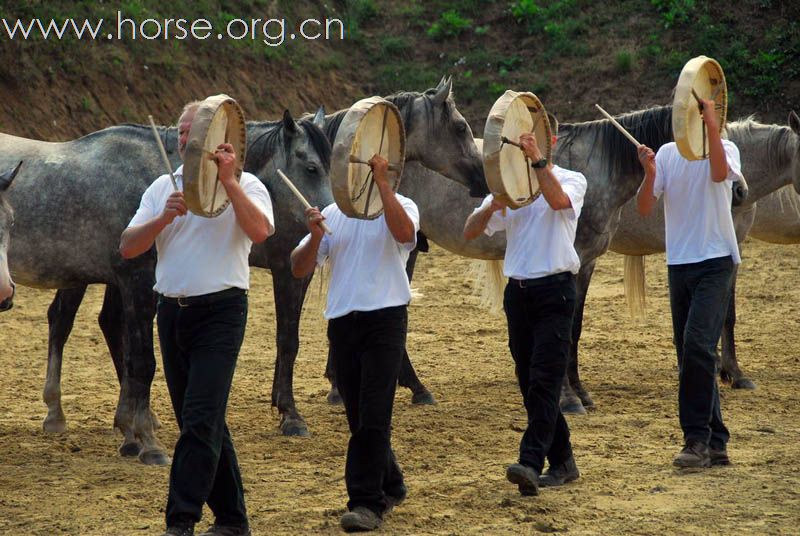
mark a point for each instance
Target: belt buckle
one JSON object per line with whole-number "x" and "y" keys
{"x": 521, "y": 283}
{"x": 181, "y": 302}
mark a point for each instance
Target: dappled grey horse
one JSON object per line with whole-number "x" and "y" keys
{"x": 777, "y": 218}
{"x": 431, "y": 115}
{"x": 6, "y": 222}
{"x": 73, "y": 201}
{"x": 770, "y": 157}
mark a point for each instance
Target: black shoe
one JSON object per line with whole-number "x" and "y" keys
{"x": 179, "y": 530}
{"x": 694, "y": 454}
{"x": 360, "y": 519}
{"x": 719, "y": 456}
{"x": 557, "y": 475}
{"x": 526, "y": 478}
{"x": 226, "y": 530}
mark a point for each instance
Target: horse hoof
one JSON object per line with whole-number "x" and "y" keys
{"x": 743, "y": 383}
{"x": 154, "y": 457}
{"x": 294, "y": 428}
{"x": 334, "y": 398}
{"x": 586, "y": 400}
{"x": 129, "y": 450}
{"x": 424, "y": 398}
{"x": 54, "y": 426}
{"x": 573, "y": 408}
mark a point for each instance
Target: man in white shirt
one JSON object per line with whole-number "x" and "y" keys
{"x": 701, "y": 254}
{"x": 539, "y": 302}
{"x": 202, "y": 277}
{"x": 367, "y": 318}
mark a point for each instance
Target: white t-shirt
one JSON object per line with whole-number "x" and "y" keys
{"x": 697, "y": 210}
{"x": 198, "y": 255}
{"x": 367, "y": 265}
{"x": 539, "y": 240}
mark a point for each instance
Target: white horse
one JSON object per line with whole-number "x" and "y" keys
{"x": 769, "y": 161}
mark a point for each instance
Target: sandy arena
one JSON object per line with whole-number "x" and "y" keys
{"x": 454, "y": 454}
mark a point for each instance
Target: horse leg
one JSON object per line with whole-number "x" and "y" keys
{"x": 289, "y": 294}
{"x": 60, "y": 318}
{"x": 574, "y": 398}
{"x": 334, "y": 397}
{"x": 729, "y": 369}
{"x": 134, "y": 418}
{"x": 408, "y": 376}
{"x": 112, "y": 323}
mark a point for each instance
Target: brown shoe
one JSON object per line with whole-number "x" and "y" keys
{"x": 559, "y": 474}
{"x": 526, "y": 478}
{"x": 360, "y": 519}
{"x": 719, "y": 456}
{"x": 694, "y": 454}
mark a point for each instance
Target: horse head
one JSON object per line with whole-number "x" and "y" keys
{"x": 6, "y": 221}
{"x": 794, "y": 124}
{"x": 439, "y": 137}
{"x": 301, "y": 150}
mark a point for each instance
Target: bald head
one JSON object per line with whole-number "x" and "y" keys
{"x": 185, "y": 124}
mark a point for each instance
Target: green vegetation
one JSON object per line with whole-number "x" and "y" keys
{"x": 450, "y": 24}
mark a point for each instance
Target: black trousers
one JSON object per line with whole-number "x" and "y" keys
{"x": 539, "y": 334}
{"x": 699, "y": 294}
{"x": 200, "y": 346}
{"x": 367, "y": 349}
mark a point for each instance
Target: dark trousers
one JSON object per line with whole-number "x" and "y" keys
{"x": 366, "y": 350}
{"x": 699, "y": 294}
{"x": 200, "y": 345}
{"x": 539, "y": 334}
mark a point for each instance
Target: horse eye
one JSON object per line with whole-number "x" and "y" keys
{"x": 461, "y": 127}
{"x": 311, "y": 169}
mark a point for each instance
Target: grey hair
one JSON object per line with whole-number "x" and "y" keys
{"x": 189, "y": 107}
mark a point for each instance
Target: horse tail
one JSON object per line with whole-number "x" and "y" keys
{"x": 489, "y": 284}
{"x": 635, "y": 292}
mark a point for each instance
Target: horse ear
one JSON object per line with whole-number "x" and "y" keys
{"x": 319, "y": 117}
{"x": 8, "y": 177}
{"x": 289, "y": 126}
{"x": 794, "y": 122}
{"x": 442, "y": 91}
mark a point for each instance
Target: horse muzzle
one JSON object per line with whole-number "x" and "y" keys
{"x": 8, "y": 302}
{"x": 740, "y": 192}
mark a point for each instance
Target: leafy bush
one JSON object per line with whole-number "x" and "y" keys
{"x": 674, "y": 11}
{"x": 624, "y": 61}
{"x": 450, "y": 24}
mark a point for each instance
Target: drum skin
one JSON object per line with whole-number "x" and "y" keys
{"x": 371, "y": 126}
{"x": 705, "y": 76}
{"x": 508, "y": 172}
{"x": 219, "y": 119}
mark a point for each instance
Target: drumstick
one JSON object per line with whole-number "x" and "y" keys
{"x": 302, "y": 199}
{"x": 163, "y": 152}
{"x": 619, "y": 127}
{"x": 355, "y": 160}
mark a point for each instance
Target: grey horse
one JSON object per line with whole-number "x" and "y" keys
{"x": 777, "y": 218}
{"x": 6, "y": 222}
{"x": 73, "y": 201}
{"x": 770, "y": 160}
{"x": 431, "y": 115}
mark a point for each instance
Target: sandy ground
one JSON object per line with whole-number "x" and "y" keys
{"x": 454, "y": 453}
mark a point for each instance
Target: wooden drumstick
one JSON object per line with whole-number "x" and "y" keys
{"x": 356, "y": 160}
{"x": 302, "y": 199}
{"x": 163, "y": 152}
{"x": 619, "y": 127}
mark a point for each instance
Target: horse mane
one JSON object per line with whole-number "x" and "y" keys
{"x": 780, "y": 140}
{"x": 404, "y": 101}
{"x": 651, "y": 127}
